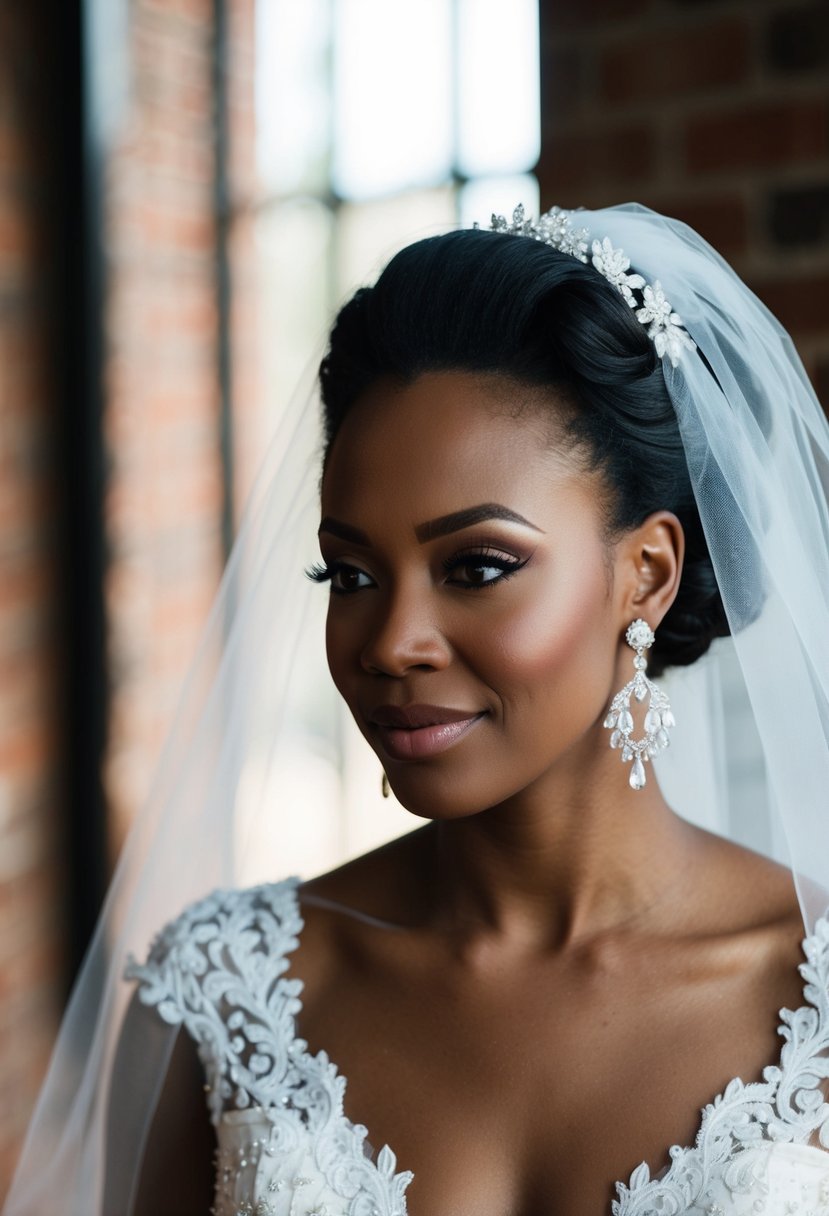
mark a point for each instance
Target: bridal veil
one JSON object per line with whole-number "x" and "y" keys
{"x": 250, "y": 717}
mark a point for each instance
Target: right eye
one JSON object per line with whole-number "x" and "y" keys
{"x": 344, "y": 579}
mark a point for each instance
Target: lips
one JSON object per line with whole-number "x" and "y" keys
{"x": 417, "y": 731}
{"x": 412, "y": 717}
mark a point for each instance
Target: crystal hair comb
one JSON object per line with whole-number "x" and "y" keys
{"x": 653, "y": 310}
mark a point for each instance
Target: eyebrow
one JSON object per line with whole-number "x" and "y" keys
{"x": 434, "y": 528}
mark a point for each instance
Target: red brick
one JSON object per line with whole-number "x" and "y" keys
{"x": 820, "y": 380}
{"x": 562, "y": 83}
{"x": 656, "y": 65}
{"x": 720, "y": 218}
{"x": 573, "y": 161}
{"x": 801, "y": 304}
{"x": 797, "y": 38}
{"x": 577, "y": 14}
{"x": 18, "y": 235}
{"x": 161, "y": 329}
{"x": 26, "y": 749}
{"x": 763, "y": 136}
{"x": 29, "y": 659}
{"x": 799, "y": 214}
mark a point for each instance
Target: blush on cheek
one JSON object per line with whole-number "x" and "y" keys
{"x": 344, "y": 663}
{"x": 551, "y": 666}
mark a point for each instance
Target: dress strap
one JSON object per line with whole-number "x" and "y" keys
{"x": 218, "y": 970}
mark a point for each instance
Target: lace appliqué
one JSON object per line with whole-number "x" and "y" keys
{"x": 728, "y": 1156}
{"x": 219, "y": 970}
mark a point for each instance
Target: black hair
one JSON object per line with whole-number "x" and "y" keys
{"x": 503, "y": 304}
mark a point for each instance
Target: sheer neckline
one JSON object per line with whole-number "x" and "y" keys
{"x": 806, "y": 1018}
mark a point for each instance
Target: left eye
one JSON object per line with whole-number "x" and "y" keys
{"x": 481, "y": 570}
{"x": 342, "y": 578}
{"x": 348, "y": 578}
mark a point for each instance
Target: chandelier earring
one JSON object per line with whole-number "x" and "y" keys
{"x": 658, "y": 717}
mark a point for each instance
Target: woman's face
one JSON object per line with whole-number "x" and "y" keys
{"x": 471, "y": 627}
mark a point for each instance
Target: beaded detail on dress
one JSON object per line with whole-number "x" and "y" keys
{"x": 286, "y": 1147}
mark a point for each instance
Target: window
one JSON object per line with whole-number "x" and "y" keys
{"x": 378, "y": 122}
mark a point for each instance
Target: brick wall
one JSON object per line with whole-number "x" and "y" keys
{"x": 165, "y": 490}
{"x": 166, "y": 480}
{"x": 252, "y": 420}
{"x": 31, "y": 873}
{"x": 716, "y": 112}
{"x": 165, "y": 485}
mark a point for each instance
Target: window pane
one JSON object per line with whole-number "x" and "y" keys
{"x": 501, "y": 195}
{"x": 498, "y": 82}
{"x": 393, "y": 110}
{"x": 294, "y": 241}
{"x": 369, "y": 234}
{"x": 292, "y": 94}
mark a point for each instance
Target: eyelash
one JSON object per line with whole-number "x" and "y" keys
{"x": 485, "y": 558}
{"x": 325, "y": 573}
{"x": 319, "y": 573}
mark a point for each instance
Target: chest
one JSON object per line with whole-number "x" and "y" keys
{"x": 532, "y": 1090}
{"x": 513, "y": 1090}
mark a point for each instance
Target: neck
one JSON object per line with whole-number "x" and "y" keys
{"x": 562, "y": 861}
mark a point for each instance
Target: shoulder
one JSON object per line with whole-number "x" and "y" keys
{"x": 386, "y": 884}
{"x": 223, "y": 930}
{"x": 353, "y": 915}
{"x": 746, "y": 891}
{"x": 749, "y": 912}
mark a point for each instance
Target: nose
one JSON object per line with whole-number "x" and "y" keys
{"x": 404, "y": 637}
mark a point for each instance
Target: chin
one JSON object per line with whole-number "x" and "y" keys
{"x": 445, "y": 798}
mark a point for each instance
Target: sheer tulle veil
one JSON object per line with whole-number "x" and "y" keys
{"x": 253, "y": 711}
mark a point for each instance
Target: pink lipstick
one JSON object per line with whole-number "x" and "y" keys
{"x": 416, "y": 732}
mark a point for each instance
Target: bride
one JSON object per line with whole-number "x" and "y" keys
{"x": 562, "y": 460}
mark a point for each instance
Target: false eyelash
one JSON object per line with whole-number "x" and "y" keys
{"x": 508, "y": 566}
{"x": 319, "y": 573}
{"x": 479, "y": 559}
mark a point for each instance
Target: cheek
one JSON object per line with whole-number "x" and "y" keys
{"x": 339, "y": 651}
{"x": 346, "y": 634}
{"x": 554, "y": 658}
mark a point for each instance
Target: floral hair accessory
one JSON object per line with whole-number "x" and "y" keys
{"x": 652, "y": 309}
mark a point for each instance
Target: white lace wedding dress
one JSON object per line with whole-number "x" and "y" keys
{"x": 286, "y": 1148}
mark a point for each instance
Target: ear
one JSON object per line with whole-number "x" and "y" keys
{"x": 649, "y": 567}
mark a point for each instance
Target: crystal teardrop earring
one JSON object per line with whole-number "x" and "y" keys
{"x": 658, "y": 718}
{"x": 384, "y": 785}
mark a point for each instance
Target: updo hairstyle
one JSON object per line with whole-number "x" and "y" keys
{"x": 497, "y": 303}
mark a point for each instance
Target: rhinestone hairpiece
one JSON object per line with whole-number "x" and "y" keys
{"x": 555, "y": 228}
